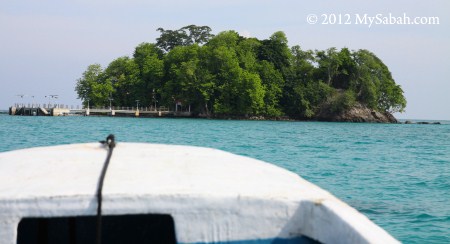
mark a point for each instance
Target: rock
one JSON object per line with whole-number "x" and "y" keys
{"x": 428, "y": 123}
{"x": 408, "y": 122}
{"x": 357, "y": 113}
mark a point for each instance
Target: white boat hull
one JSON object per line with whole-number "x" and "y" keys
{"x": 212, "y": 196}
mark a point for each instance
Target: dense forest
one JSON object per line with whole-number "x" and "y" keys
{"x": 230, "y": 75}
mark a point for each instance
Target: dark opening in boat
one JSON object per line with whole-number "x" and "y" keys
{"x": 146, "y": 228}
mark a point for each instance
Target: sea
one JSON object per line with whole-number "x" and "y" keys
{"x": 398, "y": 175}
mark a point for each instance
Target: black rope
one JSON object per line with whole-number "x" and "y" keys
{"x": 110, "y": 143}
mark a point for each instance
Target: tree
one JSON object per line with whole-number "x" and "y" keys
{"x": 170, "y": 39}
{"x": 149, "y": 59}
{"x": 308, "y": 98}
{"x": 250, "y": 94}
{"x": 329, "y": 63}
{"x": 276, "y": 50}
{"x": 123, "y": 73}
{"x": 93, "y": 86}
{"x": 228, "y": 74}
{"x": 225, "y": 65}
{"x": 182, "y": 77}
{"x": 84, "y": 84}
{"x": 237, "y": 91}
{"x": 339, "y": 101}
{"x": 228, "y": 39}
{"x": 273, "y": 83}
{"x": 374, "y": 85}
{"x": 197, "y": 34}
{"x": 247, "y": 52}
{"x": 345, "y": 70}
{"x": 185, "y": 36}
{"x": 302, "y": 65}
{"x": 301, "y": 92}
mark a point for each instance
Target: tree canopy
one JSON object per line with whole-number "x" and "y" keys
{"x": 227, "y": 74}
{"x": 185, "y": 36}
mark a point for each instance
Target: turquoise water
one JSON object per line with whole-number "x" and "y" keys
{"x": 397, "y": 175}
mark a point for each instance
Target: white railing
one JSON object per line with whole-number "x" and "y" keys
{"x": 78, "y": 107}
{"x": 45, "y": 105}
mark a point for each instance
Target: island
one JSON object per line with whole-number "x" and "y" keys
{"x": 231, "y": 76}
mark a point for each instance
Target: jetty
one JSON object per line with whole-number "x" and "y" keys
{"x": 65, "y": 110}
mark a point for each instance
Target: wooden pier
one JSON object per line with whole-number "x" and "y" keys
{"x": 38, "y": 111}
{"x": 96, "y": 111}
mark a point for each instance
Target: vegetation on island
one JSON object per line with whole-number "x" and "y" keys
{"x": 231, "y": 75}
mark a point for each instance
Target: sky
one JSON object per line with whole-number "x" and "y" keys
{"x": 46, "y": 45}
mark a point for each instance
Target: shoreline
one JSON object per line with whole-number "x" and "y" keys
{"x": 262, "y": 118}
{"x": 357, "y": 114}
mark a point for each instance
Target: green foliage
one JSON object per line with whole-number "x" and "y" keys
{"x": 341, "y": 101}
{"x": 250, "y": 94}
{"x": 346, "y": 68}
{"x": 185, "y": 36}
{"x": 234, "y": 75}
{"x": 124, "y": 75}
{"x": 303, "y": 94}
{"x": 329, "y": 63}
{"x": 308, "y": 98}
{"x": 149, "y": 59}
{"x": 276, "y": 50}
{"x": 197, "y": 34}
{"x": 93, "y": 86}
{"x": 273, "y": 84}
{"x": 186, "y": 82}
{"x": 84, "y": 84}
{"x": 374, "y": 85}
{"x": 247, "y": 53}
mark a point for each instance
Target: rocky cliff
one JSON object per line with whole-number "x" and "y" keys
{"x": 357, "y": 113}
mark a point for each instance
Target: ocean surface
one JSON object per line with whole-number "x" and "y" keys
{"x": 398, "y": 175}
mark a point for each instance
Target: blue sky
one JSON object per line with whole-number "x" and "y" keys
{"x": 46, "y": 45}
